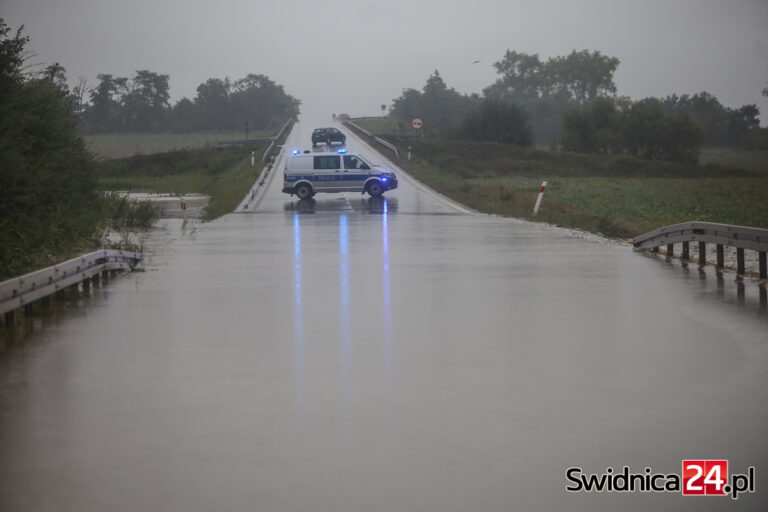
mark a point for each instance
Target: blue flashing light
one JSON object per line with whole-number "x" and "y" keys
{"x": 342, "y": 150}
{"x": 296, "y": 151}
{"x": 384, "y": 180}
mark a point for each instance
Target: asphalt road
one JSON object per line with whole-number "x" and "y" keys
{"x": 350, "y": 354}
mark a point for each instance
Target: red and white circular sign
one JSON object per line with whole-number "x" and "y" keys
{"x": 417, "y": 123}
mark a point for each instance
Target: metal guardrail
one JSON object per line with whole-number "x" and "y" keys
{"x": 24, "y": 290}
{"x": 741, "y": 237}
{"x": 387, "y": 145}
{"x": 274, "y": 140}
{"x": 357, "y": 126}
{"x": 381, "y": 141}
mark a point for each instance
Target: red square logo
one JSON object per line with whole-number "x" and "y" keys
{"x": 705, "y": 477}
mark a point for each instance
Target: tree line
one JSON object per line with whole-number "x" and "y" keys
{"x": 572, "y": 101}
{"x": 142, "y": 103}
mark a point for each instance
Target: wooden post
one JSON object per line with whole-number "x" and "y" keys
{"x": 686, "y": 251}
{"x": 739, "y": 260}
{"x": 702, "y": 254}
{"x": 720, "y": 256}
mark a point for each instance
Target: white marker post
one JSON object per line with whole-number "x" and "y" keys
{"x": 184, "y": 210}
{"x": 538, "y": 199}
{"x": 409, "y": 153}
{"x": 253, "y": 158}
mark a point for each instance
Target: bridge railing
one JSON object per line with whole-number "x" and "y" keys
{"x": 740, "y": 237}
{"x": 22, "y": 291}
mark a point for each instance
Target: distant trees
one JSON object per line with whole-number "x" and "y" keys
{"x": 723, "y": 126}
{"x": 442, "y": 109}
{"x": 498, "y": 121}
{"x": 141, "y": 103}
{"x": 547, "y": 89}
{"x": 641, "y": 129}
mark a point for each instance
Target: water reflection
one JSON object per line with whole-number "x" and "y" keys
{"x": 298, "y": 319}
{"x": 344, "y": 293}
{"x": 387, "y": 316}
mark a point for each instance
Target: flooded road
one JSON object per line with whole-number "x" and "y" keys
{"x": 351, "y": 354}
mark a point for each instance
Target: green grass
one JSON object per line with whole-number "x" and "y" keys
{"x": 383, "y": 125}
{"x": 615, "y": 196}
{"x": 119, "y": 145}
{"x": 225, "y": 174}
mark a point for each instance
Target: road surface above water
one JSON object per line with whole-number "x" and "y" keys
{"x": 350, "y": 354}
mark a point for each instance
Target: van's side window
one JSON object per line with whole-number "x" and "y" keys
{"x": 352, "y": 162}
{"x": 327, "y": 162}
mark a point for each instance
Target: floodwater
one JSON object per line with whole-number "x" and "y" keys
{"x": 350, "y": 354}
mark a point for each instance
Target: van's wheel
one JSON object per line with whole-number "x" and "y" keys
{"x": 375, "y": 188}
{"x": 304, "y": 191}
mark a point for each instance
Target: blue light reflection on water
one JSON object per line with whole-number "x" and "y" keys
{"x": 298, "y": 320}
{"x": 387, "y": 313}
{"x": 344, "y": 293}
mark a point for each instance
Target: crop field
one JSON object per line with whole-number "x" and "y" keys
{"x": 615, "y": 196}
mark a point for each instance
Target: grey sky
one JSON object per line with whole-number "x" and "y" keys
{"x": 353, "y": 55}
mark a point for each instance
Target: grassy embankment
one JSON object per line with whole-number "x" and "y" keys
{"x": 121, "y": 145}
{"x": 225, "y": 174}
{"x": 615, "y": 196}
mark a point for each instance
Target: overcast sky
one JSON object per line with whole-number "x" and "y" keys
{"x": 354, "y": 55}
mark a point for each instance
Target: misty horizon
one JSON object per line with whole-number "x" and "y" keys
{"x": 354, "y": 57}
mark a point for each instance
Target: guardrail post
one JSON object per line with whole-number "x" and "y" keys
{"x": 686, "y": 251}
{"x": 702, "y": 254}
{"x": 655, "y": 249}
{"x": 27, "y": 310}
{"x": 670, "y": 249}
{"x": 763, "y": 269}
{"x": 86, "y": 285}
{"x": 739, "y": 260}
{"x": 720, "y": 256}
{"x": 9, "y": 318}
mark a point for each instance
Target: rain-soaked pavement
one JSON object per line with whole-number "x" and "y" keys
{"x": 350, "y": 354}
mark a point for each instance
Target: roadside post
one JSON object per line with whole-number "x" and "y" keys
{"x": 253, "y": 158}
{"x": 183, "y": 210}
{"x": 538, "y": 199}
{"x": 410, "y": 148}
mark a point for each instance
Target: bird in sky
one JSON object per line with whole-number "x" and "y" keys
{"x": 475, "y": 62}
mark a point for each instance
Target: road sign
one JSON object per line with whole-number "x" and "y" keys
{"x": 417, "y": 123}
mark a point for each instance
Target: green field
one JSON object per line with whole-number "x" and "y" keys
{"x": 383, "y": 125}
{"x": 225, "y": 174}
{"x": 119, "y": 145}
{"x": 616, "y": 196}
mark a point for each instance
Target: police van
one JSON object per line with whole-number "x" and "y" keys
{"x": 309, "y": 173}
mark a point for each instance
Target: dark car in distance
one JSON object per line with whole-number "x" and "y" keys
{"x": 328, "y": 136}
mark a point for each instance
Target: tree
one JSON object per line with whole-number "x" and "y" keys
{"x": 48, "y": 196}
{"x": 442, "y": 109}
{"x": 146, "y": 104}
{"x": 641, "y": 129}
{"x": 105, "y": 111}
{"x": 498, "y": 121}
{"x": 212, "y": 102}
